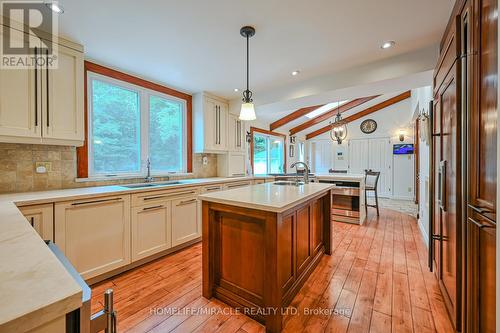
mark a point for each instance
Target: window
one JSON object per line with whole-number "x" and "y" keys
{"x": 129, "y": 124}
{"x": 268, "y": 152}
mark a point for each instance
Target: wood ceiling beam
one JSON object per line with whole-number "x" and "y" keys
{"x": 364, "y": 113}
{"x": 327, "y": 115}
{"x": 292, "y": 116}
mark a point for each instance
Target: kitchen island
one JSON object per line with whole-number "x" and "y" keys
{"x": 261, "y": 243}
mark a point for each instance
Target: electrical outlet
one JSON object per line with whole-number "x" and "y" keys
{"x": 43, "y": 167}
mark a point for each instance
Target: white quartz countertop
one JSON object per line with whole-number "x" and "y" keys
{"x": 268, "y": 197}
{"x": 35, "y": 288}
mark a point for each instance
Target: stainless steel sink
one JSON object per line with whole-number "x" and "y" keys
{"x": 287, "y": 183}
{"x": 152, "y": 184}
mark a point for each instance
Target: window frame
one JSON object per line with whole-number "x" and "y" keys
{"x": 254, "y": 130}
{"x": 145, "y": 89}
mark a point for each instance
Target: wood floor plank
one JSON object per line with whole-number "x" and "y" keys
{"x": 380, "y": 323}
{"x": 376, "y": 280}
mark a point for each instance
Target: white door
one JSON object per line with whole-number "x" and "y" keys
{"x": 321, "y": 156}
{"x": 358, "y": 156}
{"x": 380, "y": 159}
{"x": 211, "y": 125}
{"x": 19, "y": 97}
{"x": 63, "y": 109}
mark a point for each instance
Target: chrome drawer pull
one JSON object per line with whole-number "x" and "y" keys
{"x": 94, "y": 202}
{"x": 153, "y": 208}
{"x": 168, "y": 195}
{"x": 186, "y": 202}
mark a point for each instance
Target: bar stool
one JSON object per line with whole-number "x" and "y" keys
{"x": 371, "y": 181}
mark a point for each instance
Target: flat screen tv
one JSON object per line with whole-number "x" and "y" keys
{"x": 402, "y": 149}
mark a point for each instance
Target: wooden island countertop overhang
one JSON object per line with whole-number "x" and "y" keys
{"x": 261, "y": 243}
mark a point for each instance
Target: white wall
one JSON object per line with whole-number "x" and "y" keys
{"x": 420, "y": 104}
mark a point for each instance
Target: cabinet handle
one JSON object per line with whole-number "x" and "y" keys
{"x": 213, "y": 189}
{"x": 32, "y": 221}
{"x": 239, "y": 185}
{"x": 238, "y": 174}
{"x": 36, "y": 87}
{"x": 95, "y": 202}
{"x": 153, "y": 207}
{"x": 442, "y": 185}
{"x": 480, "y": 225}
{"x": 47, "y": 83}
{"x": 482, "y": 211}
{"x": 218, "y": 127}
{"x": 186, "y": 202}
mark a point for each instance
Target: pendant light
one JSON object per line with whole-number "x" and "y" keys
{"x": 338, "y": 131}
{"x": 247, "y": 108}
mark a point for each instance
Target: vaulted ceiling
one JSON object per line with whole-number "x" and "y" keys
{"x": 195, "y": 45}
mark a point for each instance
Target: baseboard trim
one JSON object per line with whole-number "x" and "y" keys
{"x": 424, "y": 234}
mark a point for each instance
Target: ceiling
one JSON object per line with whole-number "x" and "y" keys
{"x": 195, "y": 45}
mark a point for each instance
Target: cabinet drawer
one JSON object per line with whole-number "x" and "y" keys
{"x": 211, "y": 188}
{"x": 41, "y": 218}
{"x": 231, "y": 186}
{"x": 156, "y": 197}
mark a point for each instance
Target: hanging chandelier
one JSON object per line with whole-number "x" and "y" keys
{"x": 338, "y": 131}
{"x": 247, "y": 108}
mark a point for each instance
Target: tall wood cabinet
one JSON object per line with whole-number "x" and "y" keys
{"x": 42, "y": 105}
{"x": 464, "y": 166}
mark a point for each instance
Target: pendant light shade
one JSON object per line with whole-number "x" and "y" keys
{"x": 338, "y": 131}
{"x": 247, "y": 112}
{"x": 247, "y": 108}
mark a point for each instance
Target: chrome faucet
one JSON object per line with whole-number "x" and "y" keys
{"x": 148, "y": 178}
{"x": 306, "y": 174}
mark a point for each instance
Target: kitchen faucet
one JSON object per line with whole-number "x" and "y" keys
{"x": 148, "y": 178}
{"x": 306, "y": 173}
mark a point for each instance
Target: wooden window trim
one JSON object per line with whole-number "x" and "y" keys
{"x": 263, "y": 131}
{"x": 82, "y": 153}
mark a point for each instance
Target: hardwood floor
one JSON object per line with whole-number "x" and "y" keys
{"x": 376, "y": 280}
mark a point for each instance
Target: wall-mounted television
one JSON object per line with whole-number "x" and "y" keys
{"x": 402, "y": 149}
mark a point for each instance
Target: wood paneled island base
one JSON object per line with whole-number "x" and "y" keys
{"x": 256, "y": 260}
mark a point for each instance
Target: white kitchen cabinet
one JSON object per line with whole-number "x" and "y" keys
{"x": 210, "y": 124}
{"x": 151, "y": 229}
{"x": 41, "y": 218}
{"x": 231, "y": 165}
{"x": 186, "y": 225}
{"x": 94, "y": 234}
{"x": 235, "y": 134}
{"x": 44, "y": 106}
{"x": 62, "y": 114}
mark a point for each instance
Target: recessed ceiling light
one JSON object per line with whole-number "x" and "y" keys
{"x": 295, "y": 73}
{"x": 388, "y": 44}
{"x": 236, "y": 90}
{"x": 55, "y": 7}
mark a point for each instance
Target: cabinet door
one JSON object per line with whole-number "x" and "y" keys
{"x": 151, "y": 229}
{"x": 63, "y": 111}
{"x": 483, "y": 125}
{"x": 211, "y": 126}
{"x": 223, "y": 120}
{"x": 234, "y": 134}
{"x": 19, "y": 98}
{"x": 94, "y": 234}
{"x": 303, "y": 252}
{"x": 236, "y": 164}
{"x": 41, "y": 218}
{"x": 317, "y": 225}
{"x": 481, "y": 275}
{"x": 185, "y": 223}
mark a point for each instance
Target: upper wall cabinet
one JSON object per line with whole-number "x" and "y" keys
{"x": 41, "y": 105}
{"x": 235, "y": 134}
{"x": 210, "y": 124}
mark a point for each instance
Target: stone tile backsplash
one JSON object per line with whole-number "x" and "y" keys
{"x": 17, "y": 168}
